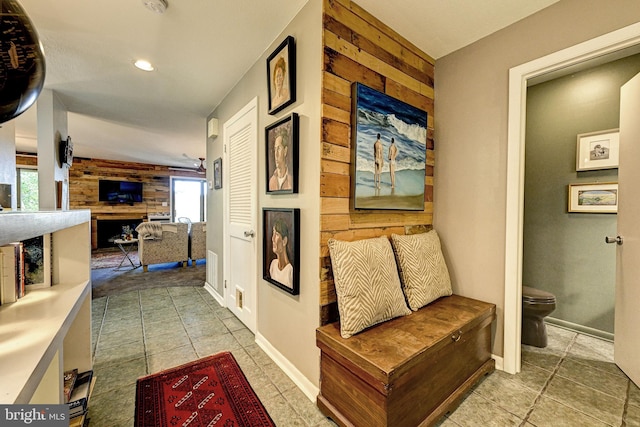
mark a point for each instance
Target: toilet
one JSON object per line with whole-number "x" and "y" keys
{"x": 536, "y": 305}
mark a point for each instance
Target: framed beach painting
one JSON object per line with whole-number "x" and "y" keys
{"x": 598, "y": 150}
{"x": 281, "y": 248}
{"x": 281, "y": 75}
{"x": 390, "y": 151}
{"x": 598, "y": 197}
{"x": 282, "y": 139}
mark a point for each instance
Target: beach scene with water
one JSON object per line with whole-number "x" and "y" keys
{"x": 378, "y": 113}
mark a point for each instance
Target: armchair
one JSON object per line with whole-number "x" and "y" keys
{"x": 198, "y": 249}
{"x": 172, "y": 247}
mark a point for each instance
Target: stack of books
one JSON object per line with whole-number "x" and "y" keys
{"x": 11, "y": 272}
{"x": 77, "y": 391}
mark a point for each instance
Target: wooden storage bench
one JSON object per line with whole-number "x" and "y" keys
{"x": 407, "y": 371}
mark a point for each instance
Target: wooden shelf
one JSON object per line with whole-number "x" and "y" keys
{"x": 48, "y": 330}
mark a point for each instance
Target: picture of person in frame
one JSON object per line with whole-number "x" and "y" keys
{"x": 281, "y": 269}
{"x": 280, "y": 91}
{"x": 281, "y": 179}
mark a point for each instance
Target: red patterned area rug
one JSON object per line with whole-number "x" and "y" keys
{"x": 211, "y": 391}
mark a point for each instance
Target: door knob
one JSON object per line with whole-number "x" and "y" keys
{"x": 617, "y": 239}
{"x": 249, "y": 233}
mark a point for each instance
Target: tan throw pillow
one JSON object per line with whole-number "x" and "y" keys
{"x": 367, "y": 283}
{"x": 423, "y": 271}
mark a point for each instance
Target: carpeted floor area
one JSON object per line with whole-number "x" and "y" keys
{"x": 109, "y": 281}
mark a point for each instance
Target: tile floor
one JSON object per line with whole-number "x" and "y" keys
{"x": 572, "y": 382}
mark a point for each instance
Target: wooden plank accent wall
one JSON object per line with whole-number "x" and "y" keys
{"x": 357, "y": 47}
{"x": 84, "y": 175}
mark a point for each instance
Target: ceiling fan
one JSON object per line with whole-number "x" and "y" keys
{"x": 201, "y": 169}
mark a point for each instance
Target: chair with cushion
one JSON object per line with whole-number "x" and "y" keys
{"x": 198, "y": 249}
{"x": 171, "y": 245}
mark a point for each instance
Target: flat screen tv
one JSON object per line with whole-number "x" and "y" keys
{"x": 120, "y": 191}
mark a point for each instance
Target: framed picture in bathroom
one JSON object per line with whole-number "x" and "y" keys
{"x": 598, "y": 150}
{"x": 597, "y": 197}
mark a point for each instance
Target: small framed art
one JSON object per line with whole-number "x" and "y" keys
{"x": 281, "y": 153}
{"x": 598, "y": 150}
{"x": 281, "y": 248}
{"x": 281, "y": 75}
{"x": 217, "y": 173}
{"x": 593, "y": 197}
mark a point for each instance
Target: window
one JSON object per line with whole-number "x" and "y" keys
{"x": 27, "y": 189}
{"x": 188, "y": 198}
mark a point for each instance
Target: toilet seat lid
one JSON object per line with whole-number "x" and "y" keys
{"x": 537, "y": 295}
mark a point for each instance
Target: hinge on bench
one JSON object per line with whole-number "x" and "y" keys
{"x": 225, "y": 284}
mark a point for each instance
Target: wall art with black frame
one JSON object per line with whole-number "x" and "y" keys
{"x": 281, "y": 75}
{"x": 281, "y": 248}
{"x": 282, "y": 140}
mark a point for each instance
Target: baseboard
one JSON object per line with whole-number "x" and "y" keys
{"x": 307, "y": 387}
{"x": 499, "y": 362}
{"x": 214, "y": 294}
{"x": 579, "y": 328}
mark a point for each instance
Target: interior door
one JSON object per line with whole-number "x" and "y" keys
{"x": 241, "y": 146}
{"x": 627, "y": 314}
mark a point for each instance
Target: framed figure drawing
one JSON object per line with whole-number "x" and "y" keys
{"x": 281, "y": 152}
{"x": 281, "y": 248}
{"x": 390, "y": 140}
{"x": 281, "y": 75}
{"x": 598, "y": 150}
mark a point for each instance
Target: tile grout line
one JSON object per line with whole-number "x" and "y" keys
{"x": 144, "y": 335}
{"x": 548, "y": 381}
{"x": 104, "y": 316}
{"x": 186, "y": 330}
{"x": 625, "y": 408}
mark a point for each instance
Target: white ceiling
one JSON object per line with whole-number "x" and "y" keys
{"x": 201, "y": 49}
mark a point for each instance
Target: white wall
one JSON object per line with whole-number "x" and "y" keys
{"x": 286, "y": 322}
{"x": 52, "y": 128}
{"x": 8, "y": 159}
{"x": 471, "y": 136}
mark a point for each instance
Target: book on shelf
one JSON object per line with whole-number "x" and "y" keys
{"x": 80, "y": 394}
{"x": 12, "y": 274}
{"x": 25, "y": 265}
{"x": 70, "y": 377}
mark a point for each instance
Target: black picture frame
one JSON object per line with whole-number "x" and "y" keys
{"x": 217, "y": 173}
{"x": 282, "y": 138}
{"x": 283, "y": 58}
{"x": 286, "y": 223}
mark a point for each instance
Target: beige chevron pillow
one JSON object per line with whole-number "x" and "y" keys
{"x": 423, "y": 271}
{"x": 367, "y": 283}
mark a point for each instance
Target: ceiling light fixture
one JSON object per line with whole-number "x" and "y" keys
{"x": 157, "y": 6}
{"x": 143, "y": 65}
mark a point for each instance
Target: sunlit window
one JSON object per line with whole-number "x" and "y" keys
{"x": 27, "y": 189}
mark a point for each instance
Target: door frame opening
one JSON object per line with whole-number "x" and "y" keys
{"x": 518, "y": 80}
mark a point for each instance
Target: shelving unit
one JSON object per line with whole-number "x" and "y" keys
{"x": 48, "y": 330}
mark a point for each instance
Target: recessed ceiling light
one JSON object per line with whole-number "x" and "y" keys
{"x": 143, "y": 65}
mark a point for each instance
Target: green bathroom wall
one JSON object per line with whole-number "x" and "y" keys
{"x": 565, "y": 253}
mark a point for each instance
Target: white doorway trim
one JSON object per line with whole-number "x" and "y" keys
{"x": 518, "y": 77}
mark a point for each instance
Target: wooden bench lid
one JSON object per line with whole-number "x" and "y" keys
{"x": 390, "y": 348}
